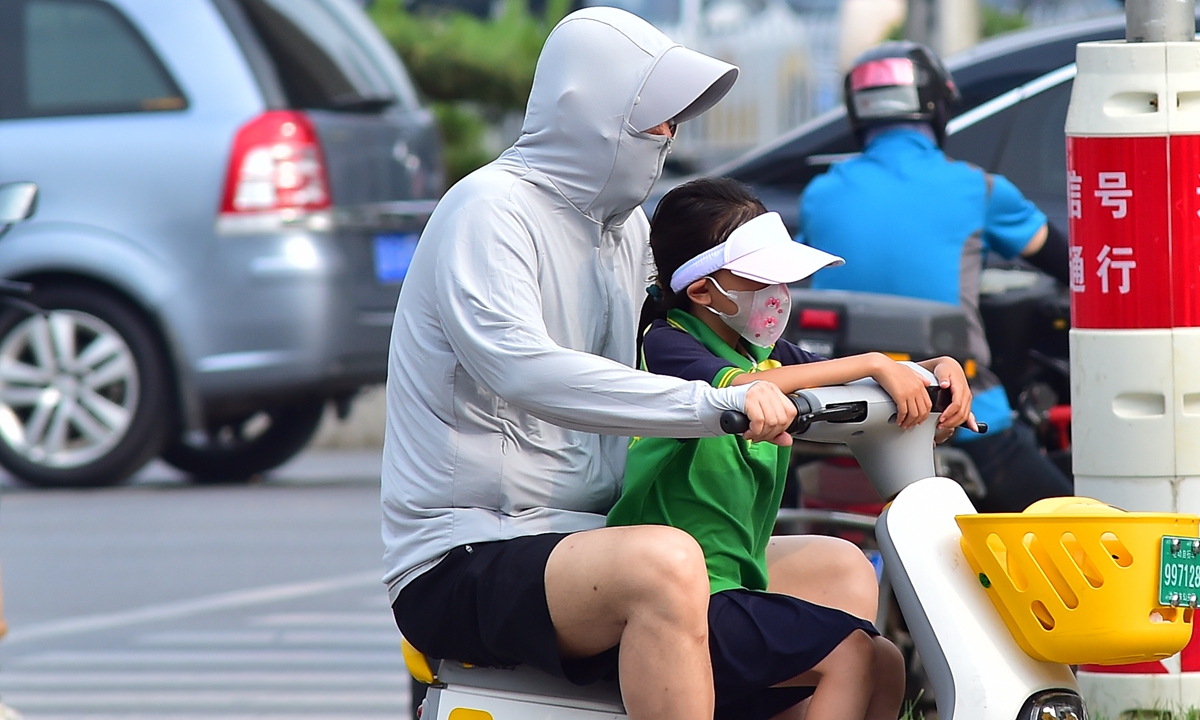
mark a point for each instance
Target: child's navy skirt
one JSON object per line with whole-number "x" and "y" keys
{"x": 759, "y": 639}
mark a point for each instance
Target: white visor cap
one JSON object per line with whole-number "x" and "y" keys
{"x": 680, "y": 86}
{"x": 760, "y": 250}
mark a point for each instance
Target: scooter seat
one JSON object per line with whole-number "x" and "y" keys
{"x": 530, "y": 681}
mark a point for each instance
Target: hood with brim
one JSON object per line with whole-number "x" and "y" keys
{"x": 604, "y": 77}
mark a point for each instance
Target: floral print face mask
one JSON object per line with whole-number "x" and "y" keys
{"x": 762, "y": 314}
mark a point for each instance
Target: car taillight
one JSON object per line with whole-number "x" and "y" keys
{"x": 276, "y": 164}
{"x": 812, "y": 319}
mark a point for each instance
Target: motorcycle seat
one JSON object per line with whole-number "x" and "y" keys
{"x": 603, "y": 696}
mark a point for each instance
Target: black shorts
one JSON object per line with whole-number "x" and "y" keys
{"x": 485, "y": 604}
{"x": 759, "y": 639}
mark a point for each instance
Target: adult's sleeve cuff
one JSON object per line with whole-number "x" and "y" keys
{"x": 717, "y": 401}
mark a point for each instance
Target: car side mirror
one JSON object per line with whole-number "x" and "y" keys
{"x": 18, "y": 201}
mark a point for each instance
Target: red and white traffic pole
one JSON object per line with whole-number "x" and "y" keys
{"x": 1133, "y": 186}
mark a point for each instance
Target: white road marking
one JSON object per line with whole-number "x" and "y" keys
{"x": 214, "y": 716}
{"x": 215, "y": 637}
{"x": 193, "y": 658}
{"x": 346, "y": 638}
{"x": 10, "y": 680}
{"x": 27, "y": 701}
{"x": 234, "y": 638}
{"x": 188, "y": 608}
{"x": 377, "y": 601}
{"x": 326, "y": 620}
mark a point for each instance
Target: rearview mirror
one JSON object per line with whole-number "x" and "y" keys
{"x": 18, "y": 200}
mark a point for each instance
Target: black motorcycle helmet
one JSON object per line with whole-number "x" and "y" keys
{"x": 899, "y": 81}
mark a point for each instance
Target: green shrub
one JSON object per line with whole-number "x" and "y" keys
{"x": 996, "y": 22}
{"x": 463, "y": 129}
{"x": 993, "y": 22}
{"x": 470, "y": 68}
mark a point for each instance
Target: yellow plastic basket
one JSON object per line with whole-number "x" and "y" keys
{"x": 1076, "y": 580}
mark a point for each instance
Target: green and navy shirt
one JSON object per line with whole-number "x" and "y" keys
{"x": 723, "y": 491}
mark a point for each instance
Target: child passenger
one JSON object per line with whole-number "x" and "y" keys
{"x": 722, "y": 303}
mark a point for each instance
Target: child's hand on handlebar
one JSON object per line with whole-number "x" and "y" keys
{"x": 907, "y": 388}
{"x": 945, "y": 433}
{"x": 950, "y": 375}
{"x": 770, "y": 413}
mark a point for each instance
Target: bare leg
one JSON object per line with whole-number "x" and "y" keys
{"x": 863, "y": 677}
{"x": 888, "y": 676}
{"x": 798, "y": 711}
{"x": 823, "y": 570}
{"x": 645, "y": 587}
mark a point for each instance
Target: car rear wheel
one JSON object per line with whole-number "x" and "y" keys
{"x": 85, "y": 391}
{"x": 236, "y": 449}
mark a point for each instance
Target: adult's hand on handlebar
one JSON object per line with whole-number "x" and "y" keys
{"x": 908, "y": 390}
{"x": 770, "y": 413}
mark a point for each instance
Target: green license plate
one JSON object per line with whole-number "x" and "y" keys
{"x": 1179, "y": 575}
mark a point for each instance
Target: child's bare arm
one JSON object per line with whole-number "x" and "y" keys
{"x": 838, "y": 371}
{"x": 905, "y": 386}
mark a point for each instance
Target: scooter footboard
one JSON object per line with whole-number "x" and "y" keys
{"x": 462, "y": 703}
{"x": 977, "y": 670}
{"x": 522, "y": 693}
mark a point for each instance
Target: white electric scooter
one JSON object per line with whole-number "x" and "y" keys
{"x": 976, "y": 668}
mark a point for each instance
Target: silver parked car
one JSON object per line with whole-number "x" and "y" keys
{"x": 230, "y": 193}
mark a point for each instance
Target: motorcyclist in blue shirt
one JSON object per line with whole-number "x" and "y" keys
{"x": 911, "y": 221}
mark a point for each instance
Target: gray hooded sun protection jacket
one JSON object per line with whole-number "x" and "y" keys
{"x": 510, "y": 394}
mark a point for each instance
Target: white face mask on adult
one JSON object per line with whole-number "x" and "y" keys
{"x": 761, "y": 315}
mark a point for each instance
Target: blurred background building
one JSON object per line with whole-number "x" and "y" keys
{"x": 792, "y": 53}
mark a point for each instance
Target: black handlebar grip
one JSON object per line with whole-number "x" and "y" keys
{"x": 734, "y": 422}
{"x": 940, "y": 397}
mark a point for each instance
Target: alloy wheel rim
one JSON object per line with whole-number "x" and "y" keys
{"x": 68, "y": 388}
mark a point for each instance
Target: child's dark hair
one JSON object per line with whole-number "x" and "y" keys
{"x": 690, "y": 219}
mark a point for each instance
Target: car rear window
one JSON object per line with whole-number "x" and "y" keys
{"x": 320, "y": 61}
{"x": 77, "y": 57}
{"x": 1036, "y": 155}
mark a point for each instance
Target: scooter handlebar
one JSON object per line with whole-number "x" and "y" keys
{"x": 736, "y": 423}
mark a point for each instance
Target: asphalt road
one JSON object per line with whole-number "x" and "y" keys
{"x": 171, "y": 601}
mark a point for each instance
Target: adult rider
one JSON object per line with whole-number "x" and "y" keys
{"x": 910, "y": 221}
{"x": 510, "y": 390}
